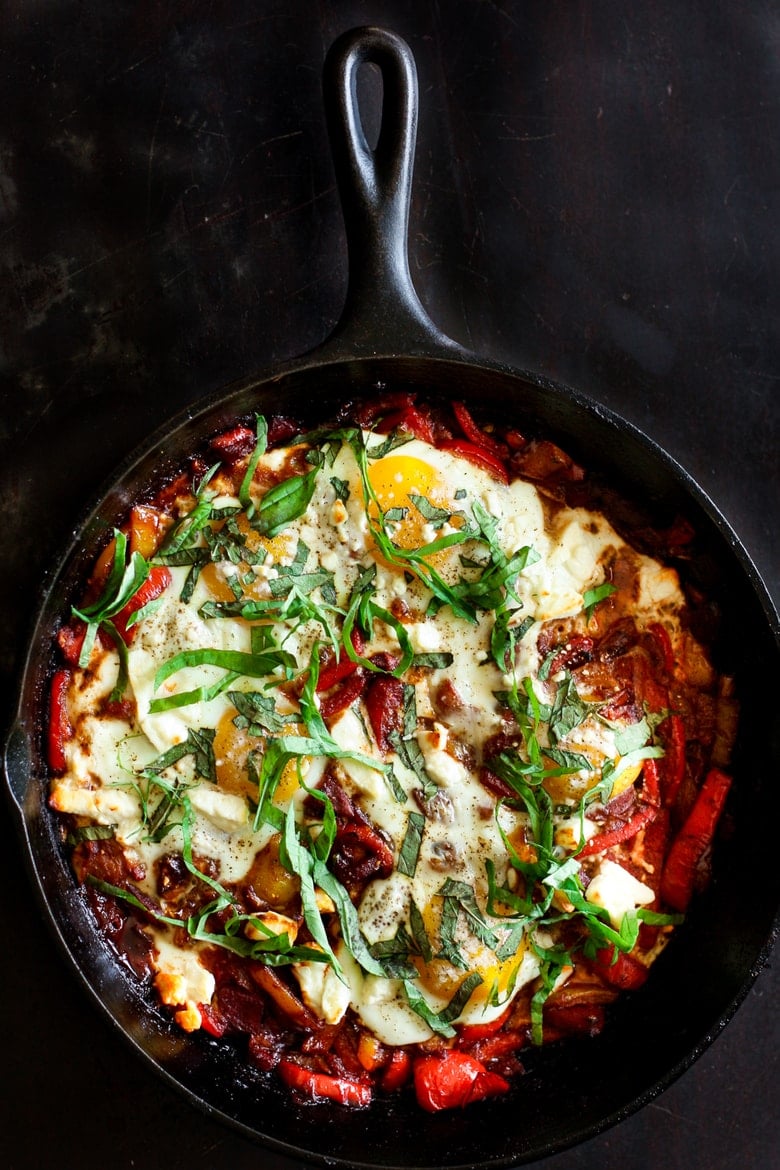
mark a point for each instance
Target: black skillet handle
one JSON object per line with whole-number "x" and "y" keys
{"x": 382, "y": 313}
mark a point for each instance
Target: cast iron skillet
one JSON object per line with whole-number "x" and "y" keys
{"x": 385, "y": 339}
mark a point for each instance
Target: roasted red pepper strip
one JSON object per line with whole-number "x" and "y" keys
{"x": 234, "y": 444}
{"x": 651, "y": 793}
{"x": 603, "y": 841}
{"x": 156, "y": 583}
{"x": 454, "y": 1080}
{"x": 336, "y": 670}
{"x": 345, "y": 694}
{"x": 672, "y": 767}
{"x": 70, "y": 640}
{"x": 479, "y": 456}
{"x": 60, "y": 729}
{"x": 624, "y": 972}
{"x": 694, "y": 839}
{"x": 584, "y": 1019}
{"x": 211, "y": 1021}
{"x": 384, "y": 699}
{"x": 654, "y": 846}
{"x": 398, "y": 1070}
{"x": 475, "y": 434}
{"x": 281, "y": 428}
{"x": 647, "y": 688}
{"x": 319, "y": 1085}
{"x": 413, "y": 420}
{"x": 661, "y": 635}
{"x": 471, "y": 1033}
{"x": 366, "y": 413}
{"x": 497, "y": 1047}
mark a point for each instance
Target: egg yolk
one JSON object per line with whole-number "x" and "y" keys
{"x": 233, "y": 744}
{"x": 396, "y": 478}
{"x": 276, "y": 547}
{"x": 443, "y": 978}
{"x": 573, "y": 786}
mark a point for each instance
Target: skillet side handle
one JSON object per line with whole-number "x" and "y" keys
{"x": 17, "y": 765}
{"x": 382, "y": 312}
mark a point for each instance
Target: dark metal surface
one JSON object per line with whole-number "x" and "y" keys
{"x": 593, "y": 200}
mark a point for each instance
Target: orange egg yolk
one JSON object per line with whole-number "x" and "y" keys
{"x": 232, "y": 745}
{"x": 276, "y": 547}
{"x": 394, "y": 480}
{"x": 443, "y": 978}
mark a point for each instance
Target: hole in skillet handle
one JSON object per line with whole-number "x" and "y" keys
{"x": 382, "y": 312}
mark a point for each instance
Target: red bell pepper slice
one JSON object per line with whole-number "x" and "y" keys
{"x": 672, "y": 766}
{"x": 479, "y": 456}
{"x": 624, "y": 972}
{"x": 60, "y": 729}
{"x": 413, "y": 420}
{"x": 318, "y": 1085}
{"x": 498, "y": 1047}
{"x": 475, "y": 434}
{"x": 211, "y": 1021}
{"x": 70, "y": 640}
{"x": 625, "y": 832}
{"x": 574, "y": 1019}
{"x": 344, "y": 695}
{"x": 453, "y": 1081}
{"x": 663, "y": 777}
{"x": 397, "y": 1071}
{"x": 693, "y": 841}
{"x": 471, "y": 1033}
{"x": 384, "y": 699}
{"x": 235, "y": 443}
{"x": 661, "y": 635}
{"x": 647, "y": 688}
{"x": 336, "y": 670}
{"x": 281, "y": 428}
{"x": 156, "y": 583}
{"x": 366, "y": 413}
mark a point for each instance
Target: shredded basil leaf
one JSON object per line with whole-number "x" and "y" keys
{"x": 410, "y": 847}
{"x": 261, "y": 434}
{"x": 283, "y": 503}
{"x": 441, "y": 1022}
{"x": 236, "y": 661}
{"x": 592, "y": 597}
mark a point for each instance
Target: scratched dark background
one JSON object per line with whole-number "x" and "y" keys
{"x": 596, "y": 199}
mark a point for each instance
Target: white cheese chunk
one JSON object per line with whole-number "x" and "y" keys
{"x": 323, "y": 991}
{"x": 181, "y": 978}
{"x": 617, "y": 891}
{"x": 567, "y": 832}
{"x": 107, "y": 806}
